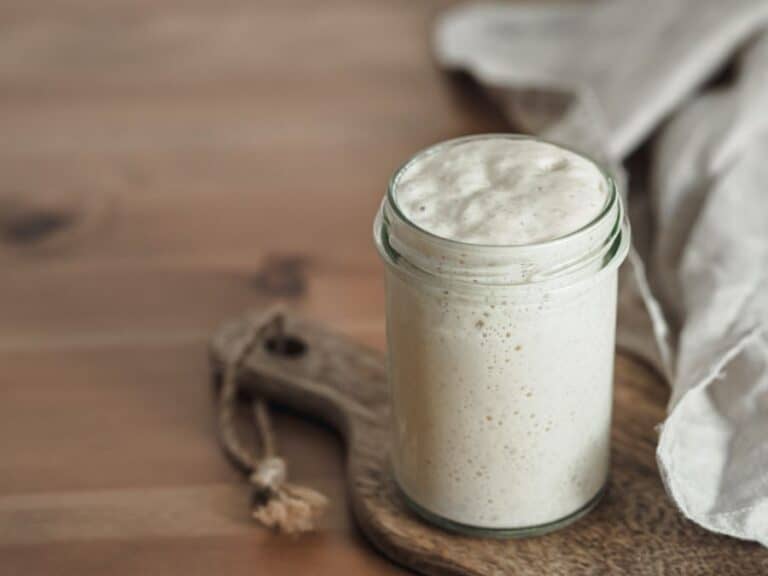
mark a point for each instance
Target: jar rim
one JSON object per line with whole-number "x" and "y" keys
{"x": 433, "y": 148}
{"x": 601, "y": 243}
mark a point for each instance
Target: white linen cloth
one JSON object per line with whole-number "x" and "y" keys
{"x": 603, "y": 76}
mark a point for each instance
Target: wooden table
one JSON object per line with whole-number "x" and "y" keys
{"x": 166, "y": 165}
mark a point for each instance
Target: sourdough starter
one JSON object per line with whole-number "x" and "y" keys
{"x": 501, "y": 299}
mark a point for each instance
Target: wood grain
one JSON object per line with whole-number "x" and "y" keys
{"x": 634, "y": 530}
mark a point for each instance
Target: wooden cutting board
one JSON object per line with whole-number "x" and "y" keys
{"x": 635, "y": 530}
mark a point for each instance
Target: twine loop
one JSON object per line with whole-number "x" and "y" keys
{"x": 277, "y": 503}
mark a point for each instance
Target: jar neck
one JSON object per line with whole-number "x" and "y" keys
{"x": 601, "y": 244}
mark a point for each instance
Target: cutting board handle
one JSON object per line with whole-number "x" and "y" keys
{"x": 298, "y": 363}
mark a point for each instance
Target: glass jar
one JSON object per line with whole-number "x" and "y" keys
{"x": 501, "y": 369}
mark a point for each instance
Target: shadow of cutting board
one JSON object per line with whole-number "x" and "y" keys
{"x": 635, "y": 530}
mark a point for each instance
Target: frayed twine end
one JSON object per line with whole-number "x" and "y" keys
{"x": 285, "y": 507}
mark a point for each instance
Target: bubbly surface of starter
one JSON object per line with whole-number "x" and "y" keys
{"x": 501, "y": 191}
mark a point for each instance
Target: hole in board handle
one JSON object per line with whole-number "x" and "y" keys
{"x": 285, "y": 345}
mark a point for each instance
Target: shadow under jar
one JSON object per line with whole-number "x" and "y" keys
{"x": 501, "y": 364}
